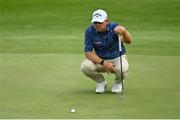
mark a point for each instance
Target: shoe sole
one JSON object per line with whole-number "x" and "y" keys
{"x": 117, "y": 92}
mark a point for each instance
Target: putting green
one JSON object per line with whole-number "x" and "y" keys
{"x": 49, "y": 85}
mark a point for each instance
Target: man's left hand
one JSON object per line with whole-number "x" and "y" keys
{"x": 119, "y": 30}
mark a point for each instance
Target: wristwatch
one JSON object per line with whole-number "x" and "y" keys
{"x": 102, "y": 62}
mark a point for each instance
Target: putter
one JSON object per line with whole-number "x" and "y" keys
{"x": 120, "y": 60}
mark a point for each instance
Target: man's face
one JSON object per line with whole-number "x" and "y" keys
{"x": 100, "y": 27}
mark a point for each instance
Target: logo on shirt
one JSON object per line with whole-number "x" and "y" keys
{"x": 99, "y": 42}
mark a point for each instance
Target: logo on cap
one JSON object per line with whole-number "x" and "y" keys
{"x": 97, "y": 15}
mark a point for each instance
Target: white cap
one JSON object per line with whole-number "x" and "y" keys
{"x": 99, "y": 16}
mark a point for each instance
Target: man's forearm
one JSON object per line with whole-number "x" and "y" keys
{"x": 93, "y": 57}
{"x": 127, "y": 37}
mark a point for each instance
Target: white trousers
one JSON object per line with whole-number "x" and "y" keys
{"x": 94, "y": 71}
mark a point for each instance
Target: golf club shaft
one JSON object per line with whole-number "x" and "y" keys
{"x": 120, "y": 50}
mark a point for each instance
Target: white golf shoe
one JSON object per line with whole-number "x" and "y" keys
{"x": 101, "y": 87}
{"x": 117, "y": 88}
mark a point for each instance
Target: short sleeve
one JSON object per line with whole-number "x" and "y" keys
{"x": 113, "y": 25}
{"x": 88, "y": 44}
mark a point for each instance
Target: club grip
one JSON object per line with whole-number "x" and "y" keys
{"x": 120, "y": 43}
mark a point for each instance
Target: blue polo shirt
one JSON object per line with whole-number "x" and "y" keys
{"x": 105, "y": 44}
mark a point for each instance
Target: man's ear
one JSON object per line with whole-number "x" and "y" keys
{"x": 107, "y": 20}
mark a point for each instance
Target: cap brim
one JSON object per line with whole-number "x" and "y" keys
{"x": 97, "y": 20}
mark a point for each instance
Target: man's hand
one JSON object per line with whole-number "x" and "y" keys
{"x": 122, "y": 31}
{"x": 109, "y": 67}
{"x": 119, "y": 30}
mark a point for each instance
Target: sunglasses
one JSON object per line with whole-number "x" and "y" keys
{"x": 98, "y": 22}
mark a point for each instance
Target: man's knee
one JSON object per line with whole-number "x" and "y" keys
{"x": 87, "y": 66}
{"x": 125, "y": 67}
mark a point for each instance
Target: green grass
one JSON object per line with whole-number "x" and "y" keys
{"x": 43, "y": 26}
{"x": 48, "y": 85}
{"x": 41, "y": 49}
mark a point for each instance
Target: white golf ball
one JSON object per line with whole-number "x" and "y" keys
{"x": 73, "y": 110}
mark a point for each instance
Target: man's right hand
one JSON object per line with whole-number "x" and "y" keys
{"x": 109, "y": 67}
